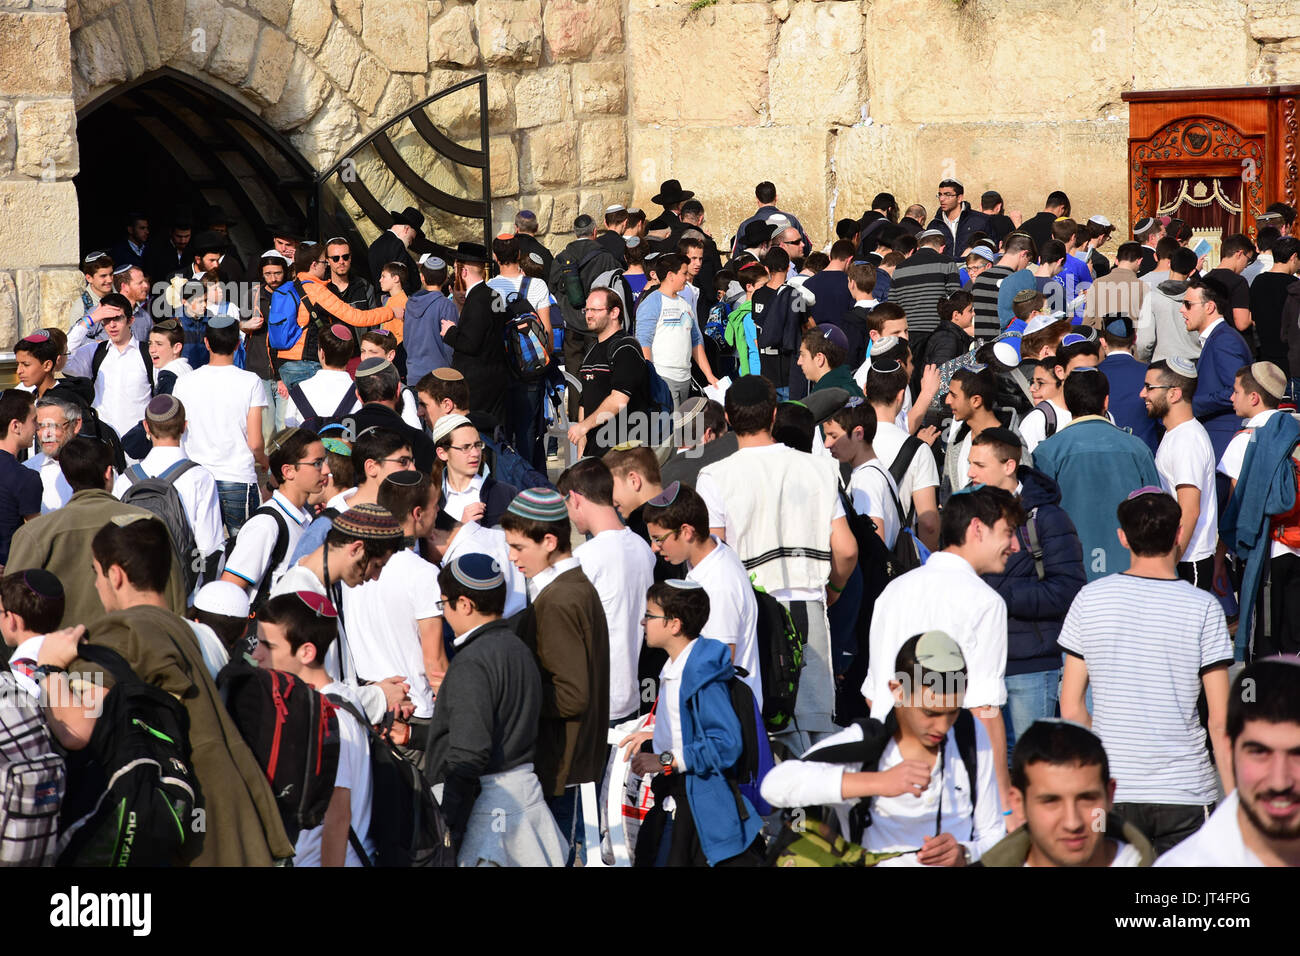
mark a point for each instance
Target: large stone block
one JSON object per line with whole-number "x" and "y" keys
{"x": 204, "y": 21}
{"x": 819, "y": 75}
{"x": 451, "y": 38}
{"x": 599, "y": 88}
{"x": 169, "y": 19}
{"x": 300, "y": 99}
{"x": 59, "y": 289}
{"x": 8, "y": 309}
{"x": 97, "y": 54}
{"x": 397, "y": 98}
{"x": 541, "y": 207}
{"x": 509, "y": 31}
{"x": 145, "y": 33}
{"x": 29, "y": 297}
{"x": 132, "y": 55}
{"x": 603, "y": 155}
{"x": 1094, "y": 173}
{"x": 1154, "y": 23}
{"x": 276, "y": 11}
{"x": 578, "y": 29}
{"x": 309, "y": 21}
{"x": 339, "y": 55}
{"x": 230, "y": 61}
{"x": 397, "y": 31}
{"x": 35, "y": 55}
{"x": 564, "y": 209}
{"x": 553, "y": 154}
{"x": 542, "y": 96}
{"x": 873, "y": 159}
{"x": 266, "y": 79}
{"x": 369, "y": 82}
{"x": 669, "y": 46}
{"x": 331, "y": 130}
{"x": 1282, "y": 60}
{"x": 591, "y": 202}
{"x": 38, "y": 223}
{"x": 8, "y": 140}
{"x": 504, "y": 166}
{"x": 47, "y": 139}
{"x": 350, "y": 12}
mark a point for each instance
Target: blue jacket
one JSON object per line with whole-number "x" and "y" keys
{"x": 1036, "y": 609}
{"x": 1096, "y": 466}
{"x": 711, "y": 739}
{"x": 968, "y": 222}
{"x": 1265, "y": 487}
{"x": 1223, "y": 354}
{"x": 1126, "y": 376}
{"x": 422, "y": 333}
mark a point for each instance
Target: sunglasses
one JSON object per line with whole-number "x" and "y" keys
{"x": 343, "y": 258}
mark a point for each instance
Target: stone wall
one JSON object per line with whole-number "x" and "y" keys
{"x": 598, "y": 101}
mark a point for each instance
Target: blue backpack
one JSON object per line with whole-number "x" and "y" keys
{"x": 282, "y": 328}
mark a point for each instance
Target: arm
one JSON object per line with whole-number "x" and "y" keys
{"x": 1213, "y": 394}
{"x": 334, "y": 833}
{"x": 1049, "y": 599}
{"x": 844, "y": 557}
{"x": 1215, "y": 682}
{"x": 702, "y": 361}
{"x": 563, "y": 657}
{"x": 925, "y": 501}
{"x": 434, "y": 652}
{"x": 991, "y": 718}
{"x": 929, "y": 389}
{"x": 1146, "y": 331}
{"x": 323, "y": 298}
{"x": 256, "y": 444}
{"x": 1189, "y": 501}
{"x": 1074, "y": 688}
{"x": 1241, "y": 319}
{"x": 719, "y": 746}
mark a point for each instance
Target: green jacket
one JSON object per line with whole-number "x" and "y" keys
{"x": 1013, "y": 849}
{"x": 839, "y": 377}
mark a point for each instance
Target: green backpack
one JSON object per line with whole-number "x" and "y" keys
{"x": 817, "y": 844}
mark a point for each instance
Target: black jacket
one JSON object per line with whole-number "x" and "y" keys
{"x": 422, "y": 447}
{"x": 480, "y": 350}
{"x": 1036, "y": 609}
{"x": 969, "y": 222}
{"x": 612, "y": 243}
{"x": 388, "y": 248}
{"x": 593, "y": 259}
{"x": 496, "y": 495}
{"x": 1039, "y": 228}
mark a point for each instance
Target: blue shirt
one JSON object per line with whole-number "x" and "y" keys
{"x": 20, "y": 497}
{"x": 1016, "y": 282}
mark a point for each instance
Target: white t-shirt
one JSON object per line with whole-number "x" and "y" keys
{"x": 921, "y": 472}
{"x": 23, "y": 661}
{"x": 215, "y": 655}
{"x": 122, "y": 386}
{"x": 55, "y": 490}
{"x": 198, "y": 493}
{"x": 256, "y": 543}
{"x": 621, "y": 567}
{"x": 668, "y": 713}
{"x": 353, "y": 775}
{"x": 1217, "y": 843}
{"x": 1230, "y": 464}
{"x": 458, "y": 501}
{"x": 538, "y": 295}
{"x": 733, "y": 610}
{"x": 1186, "y": 457}
{"x": 670, "y": 348}
{"x": 872, "y": 490}
{"x": 1033, "y": 427}
{"x": 473, "y": 538}
{"x": 217, "y": 401}
{"x": 323, "y": 391}
{"x": 383, "y": 624}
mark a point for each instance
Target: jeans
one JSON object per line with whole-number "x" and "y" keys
{"x": 238, "y": 501}
{"x": 1165, "y": 824}
{"x": 524, "y": 414}
{"x": 567, "y": 810}
{"x": 1030, "y": 697}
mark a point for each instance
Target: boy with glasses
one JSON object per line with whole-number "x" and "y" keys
{"x": 465, "y": 494}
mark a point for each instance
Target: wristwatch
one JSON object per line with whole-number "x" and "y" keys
{"x": 666, "y": 761}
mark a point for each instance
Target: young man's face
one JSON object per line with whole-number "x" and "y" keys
{"x": 458, "y": 614}
{"x": 973, "y": 269}
{"x": 674, "y": 281}
{"x": 599, "y": 317}
{"x": 363, "y": 568}
{"x": 399, "y": 460}
{"x": 1266, "y": 764}
{"x": 658, "y": 632}
{"x": 995, "y": 545}
{"x": 948, "y": 198}
{"x": 985, "y": 469}
{"x": 31, "y": 372}
{"x": 101, "y": 280}
{"x": 837, "y": 441}
{"x": 1044, "y": 386}
{"x": 273, "y": 651}
{"x": 104, "y": 588}
{"x": 965, "y": 318}
{"x": 811, "y": 368}
{"x": 958, "y": 402}
{"x": 670, "y": 542}
{"x": 529, "y": 556}
{"x": 118, "y": 328}
{"x": 431, "y": 409}
{"x": 286, "y": 247}
{"x": 896, "y": 327}
{"x": 465, "y": 454}
{"x": 1065, "y": 809}
{"x": 308, "y": 473}
{"x": 626, "y": 493}
{"x": 138, "y": 231}
{"x": 694, "y": 260}
{"x": 340, "y": 260}
{"x": 162, "y": 351}
{"x": 25, "y": 430}
{"x": 932, "y": 716}
{"x": 426, "y": 516}
{"x": 1242, "y": 403}
{"x": 371, "y": 350}
{"x": 273, "y": 275}
{"x": 1155, "y": 396}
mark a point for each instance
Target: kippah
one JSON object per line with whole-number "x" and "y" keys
{"x": 123, "y": 520}
{"x": 1145, "y": 490}
{"x": 1120, "y": 326}
{"x": 936, "y": 651}
{"x": 634, "y": 210}
{"x": 370, "y": 522}
{"x": 430, "y": 261}
{"x": 684, "y": 584}
{"x": 340, "y": 331}
{"x": 448, "y": 424}
{"x": 885, "y": 343}
{"x": 609, "y": 210}
{"x": 1025, "y": 295}
{"x": 667, "y": 496}
{"x": 319, "y": 604}
{"x": 448, "y": 374}
{"x": 478, "y": 572}
{"x": 43, "y": 583}
{"x": 1038, "y": 323}
{"x": 373, "y": 366}
{"x": 985, "y": 253}
{"x": 632, "y": 241}
{"x": 127, "y": 267}
{"x": 1073, "y": 338}
{"x": 536, "y": 258}
{"x": 411, "y": 478}
{"x": 1270, "y": 378}
{"x": 539, "y": 504}
{"x": 222, "y": 597}
{"x": 223, "y": 321}
{"x": 163, "y": 408}
{"x": 274, "y": 254}
{"x": 338, "y": 446}
{"x": 40, "y": 335}
{"x": 1181, "y": 366}
{"x": 884, "y": 368}
{"x": 279, "y": 438}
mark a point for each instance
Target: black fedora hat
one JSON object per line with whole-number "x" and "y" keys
{"x": 206, "y": 242}
{"x": 287, "y": 230}
{"x": 671, "y": 193}
{"x": 410, "y": 216}
{"x": 474, "y": 252}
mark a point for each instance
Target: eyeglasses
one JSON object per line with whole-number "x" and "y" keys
{"x": 317, "y": 463}
{"x": 52, "y": 426}
{"x": 1153, "y": 388}
{"x": 945, "y": 195}
{"x": 659, "y": 539}
{"x": 343, "y": 258}
{"x": 466, "y": 448}
{"x": 1187, "y": 304}
{"x": 654, "y": 617}
{"x": 406, "y": 461}
{"x": 585, "y": 311}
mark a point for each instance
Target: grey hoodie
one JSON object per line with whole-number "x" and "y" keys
{"x": 1161, "y": 332}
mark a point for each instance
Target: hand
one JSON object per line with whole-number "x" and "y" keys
{"x": 1222, "y": 583}
{"x": 395, "y": 690}
{"x": 713, "y": 380}
{"x": 399, "y": 733}
{"x": 447, "y": 324}
{"x": 910, "y": 776}
{"x": 254, "y": 322}
{"x": 633, "y": 743}
{"x": 928, "y": 434}
{"x": 281, "y": 389}
{"x": 473, "y": 512}
{"x": 102, "y": 313}
{"x": 577, "y": 432}
{"x": 644, "y": 765}
{"x": 929, "y": 383}
{"x": 435, "y": 680}
{"x": 943, "y": 850}
{"x": 59, "y": 648}
{"x": 832, "y": 595}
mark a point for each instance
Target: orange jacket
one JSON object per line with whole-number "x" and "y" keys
{"x": 395, "y": 326}
{"x": 326, "y": 300}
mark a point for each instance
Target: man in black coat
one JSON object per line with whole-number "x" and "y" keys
{"x": 392, "y": 246}
{"x": 478, "y": 341}
{"x": 951, "y": 210}
{"x": 1039, "y": 228}
{"x": 380, "y": 389}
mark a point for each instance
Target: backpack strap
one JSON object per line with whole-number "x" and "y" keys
{"x": 97, "y": 359}
{"x": 135, "y": 474}
{"x": 902, "y": 462}
{"x": 277, "y": 551}
{"x": 965, "y": 731}
{"x": 345, "y": 404}
{"x": 353, "y": 840}
{"x": 305, "y": 411}
{"x": 1049, "y": 416}
{"x": 1035, "y": 544}
{"x": 175, "y": 471}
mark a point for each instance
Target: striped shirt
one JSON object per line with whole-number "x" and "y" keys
{"x": 985, "y": 291}
{"x": 919, "y": 284}
{"x": 1146, "y": 642}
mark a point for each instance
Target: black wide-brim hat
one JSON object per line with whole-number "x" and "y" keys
{"x": 410, "y": 216}
{"x": 473, "y": 252}
{"x": 671, "y": 193}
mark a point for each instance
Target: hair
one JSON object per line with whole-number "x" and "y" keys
{"x": 506, "y": 250}
{"x": 344, "y": 474}
{"x": 1116, "y": 341}
{"x": 906, "y": 662}
{"x": 634, "y": 255}
{"x": 904, "y": 245}
{"x": 1064, "y": 353}
{"x": 440, "y": 389}
{"x": 883, "y": 387}
{"x": 291, "y": 450}
{"x": 91, "y": 266}
{"x": 986, "y": 503}
{"x": 169, "y": 430}
{"x": 301, "y": 624}
{"x": 794, "y": 426}
{"x": 776, "y": 260}
{"x": 374, "y": 444}
{"x": 842, "y": 249}
{"x": 1128, "y": 252}
{"x": 430, "y": 276}
{"x": 952, "y": 184}
{"x": 222, "y": 341}
{"x": 1214, "y": 291}
{"x": 1003, "y": 442}
{"x": 526, "y": 222}
{"x": 306, "y": 256}
{"x": 336, "y": 351}
{"x": 688, "y": 508}
{"x": 958, "y": 301}
{"x": 885, "y": 312}
{"x": 228, "y": 629}
{"x": 379, "y": 386}
{"x": 1020, "y": 242}
{"x": 1166, "y": 247}
{"x": 818, "y": 344}
{"x": 846, "y": 228}
{"x": 1183, "y": 261}
{"x": 981, "y": 384}
{"x": 862, "y": 275}
{"x": 535, "y": 530}
{"x": 690, "y": 606}
{"x": 1063, "y": 230}
{"x": 401, "y": 499}
{"x": 861, "y": 415}
{"x": 380, "y": 337}
{"x": 666, "y": 264}
{"x": 751, "y": 274}
{"x": 1059, "y": 743}
{"x": 1285, "y": 249}
{"x": 40, "y": 614}
{"x": 590, "y": 478}
{"x": 1237, "y": 242}
{"x": 1267, "y": 690}
{"x": 48, "y": 351}
{"x": 15, "y": 405}
{"x": 1248, "y": 384}
{"x": 686, "y": 243}
{"x": 816, "y": 261}
{"x": 1150, "y": 522}
{"x": 1058, "y": 198}
{"x": 141, "y": 548}
{"x": 1024, "y": 308}
{"x": 84, "y": 462}
{"x": 1171, "y": 378}
{"x": 692, "y": 207}
{"x": 373, "y": 548}
{"x": 639, "y": 458}
{"x": 491, "y": 602}
{"x": 1053, "y": 251}
{"x": 755, "y": 418}
{"x": 173, "y": 333}
{"x": 765, "y": 192}
{"x": 1048, "y": 365}
{"x": 1085, "y": 393}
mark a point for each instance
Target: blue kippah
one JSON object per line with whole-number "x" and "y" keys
{"x": 478, "y": 572}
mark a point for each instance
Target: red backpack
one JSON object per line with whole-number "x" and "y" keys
{"x": 1286, "y": 526}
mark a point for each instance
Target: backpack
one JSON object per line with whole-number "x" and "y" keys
{"x": 33, "y": 780}
{"x": 101, "y": 353}
{"x": 293, "y": 732}
{"x": 1049, "y": 415}
{"x": 526, "y": 346}
{"x": 138, "y": 759}
{"x": 510, "y": 467}
{"x": 159, "y": 497}
{"x": 716, "y": 325}
{"x": 756, "y": 752}
{"x": 406, "y": 823}
{"x": 613, "y": 280}
{"x": 1285, "y": 527}
{"x": 278, "y": 552}
{"x": 661, "y": 397}
{"x": 282, "y": 328}
{"x": 313, "y": 421}
{"x": 780, "y": 657}
{"x": 569, "y": 271}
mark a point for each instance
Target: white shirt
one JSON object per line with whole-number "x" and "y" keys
{"x": 122, "y": 386}
{"x": 1217, "y": 843}
{"x": 539, "y": 296}
{"x": 323, "y": 391}
{"x": 1186, "y": 457}
{"x": 921, "y": 473}
{"x": 668, "y": 710}
{"x": 458, "y": 501}
{"x": 198, "y": 493}
{"x": 56, "y": 490}
{"x": 1230, "y": 464}
{"x": 473, "y": 538}
{"x": 944, "y": 594}
{"x": 1205, "y": 332}
{"x": 872, "y": 490}
{"x": 1033, "y": 427}
{"x": 539, "y": 582}
{"x": 383, "y": 624}
{"x": 256, "y": 542}
{"x": 28, "y": 650}
{"x": 217, "y": 400}
{"x": 621, "y": 567}
{"x": 733, "y": 610}
{"x": 353, "y": 775}
{"x": 215, "y": 655}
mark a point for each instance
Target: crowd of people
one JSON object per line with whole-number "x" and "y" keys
{"x": 956, "y": 542}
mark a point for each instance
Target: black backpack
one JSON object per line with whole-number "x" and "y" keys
{"x": 293, "y": 732}
{"x": 527, "y": 349}
{"x": 568, "y": 281}
{"x": 138, "y": 761}
{"x": 780, "y": 657}
{"x": 312, "y": 420}
{"x": 159, "y": 497}
{"x": 746, "y": 775}
{"x": 101, "y": 352}
{"x": 406, "y": 823}
{"x": 277, "y": 555}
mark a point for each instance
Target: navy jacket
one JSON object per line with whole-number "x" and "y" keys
{"x": 496, "y": 497}
{"x": 969, "y": 222}
{"x": 1223, "y": 354}
{"x": 1036, "y": 609}
{"x": 1126, "y": 376}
